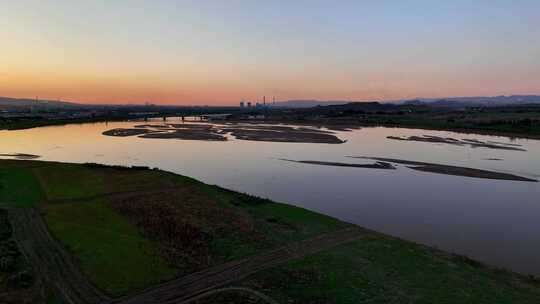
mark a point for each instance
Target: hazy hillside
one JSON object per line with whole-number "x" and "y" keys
{"x": 485, "y": 101}
{"x": 475, "y": 101}
{"x": 307, "y": 103}
{"x": 24, "y": 102}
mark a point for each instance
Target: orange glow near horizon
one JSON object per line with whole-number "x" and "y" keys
{"x": 217, "y": 87}
{"x": 126, "y": 90}
{"x": 218, "y": 54}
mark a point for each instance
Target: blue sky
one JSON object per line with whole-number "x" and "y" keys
{"x": 217, "y": 52}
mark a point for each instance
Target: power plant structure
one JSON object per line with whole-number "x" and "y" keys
{"x": 249, "y": 104}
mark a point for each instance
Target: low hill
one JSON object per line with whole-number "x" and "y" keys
{"x": 298, "y": 104}
{"x": 452, "y": 102}
{"x": 37, "y": 103}
{"x": 457, "y": 102}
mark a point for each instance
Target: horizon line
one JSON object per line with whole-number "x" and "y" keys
{"x": 284, "y": 100}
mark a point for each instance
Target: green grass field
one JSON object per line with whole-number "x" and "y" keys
{"x": 121, "y": 250}
{"x": 131, "y": 228}
{"x": 385, "y": 270}
{"x": 279, "y": 223}
{"x": 66, "y": 181}
{"x": 19, "y": 186}
{"x": 110, "y": 250}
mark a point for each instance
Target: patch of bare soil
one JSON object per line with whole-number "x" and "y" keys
{"x": 192, "y": 126}
{"x": 452, "y": 170}
{"x": 180, "y": 243}
{"x": 150, "y": 126}
{"x": 475, "y": 143}
{"x": 290, "y": 135}
{"x": 330, "y": 125}
{"x": 18, "y": 284}
{"x": 189, "y": 134}
{"x": 50, "y": 260}
{"x": 505, "y": 144}
{"x": 183, "y": 223}
{"x": 376, "y": 165}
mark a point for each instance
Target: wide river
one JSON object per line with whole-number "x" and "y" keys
{"x": 494, "y": 221}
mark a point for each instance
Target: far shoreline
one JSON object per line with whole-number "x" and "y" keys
{"x": 335, "y": 125}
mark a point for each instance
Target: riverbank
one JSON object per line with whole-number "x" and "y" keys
{"x": 331, "y": 124}
{"x": 534, "y": 134}
{"x": 128, "y": 229}
{"x": 36, "y": 123}
{"x": 347, "y": 124}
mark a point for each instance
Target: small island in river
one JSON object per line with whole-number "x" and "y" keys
{"x": 121, "y": 132}
{"x": 385, "y": 163}
{"x": 376, "y": 165}
{"x": 216, "y": 132}
{"x": 474, "y": 143}
{"x": 451, "y": 170}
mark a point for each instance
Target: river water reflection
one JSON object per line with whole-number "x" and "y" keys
{"x": 494, "y": 221}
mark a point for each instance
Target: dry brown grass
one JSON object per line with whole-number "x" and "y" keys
{"x": 183, "y": 223}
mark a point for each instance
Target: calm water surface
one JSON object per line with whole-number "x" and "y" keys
{"x": 497, "y": 222}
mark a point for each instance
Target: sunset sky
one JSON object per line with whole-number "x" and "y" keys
{"x": 218, "y": 52}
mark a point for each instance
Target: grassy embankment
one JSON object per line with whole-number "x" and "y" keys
{"x": 501, "y": 128}
{"x": 131, "y": 228}
{"x": 152, "y": 225}
{"x": 496, "y": 121}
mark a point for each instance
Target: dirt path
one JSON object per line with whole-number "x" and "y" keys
{"x": 183, "y": 289}
{"x": 50, "y": 260}
{"x": 57, "y": 267}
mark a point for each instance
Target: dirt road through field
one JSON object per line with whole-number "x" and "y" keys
{"x": 57, "y": 267}
{"x": 50, "y": 260}
{"x": 182, "y": 289}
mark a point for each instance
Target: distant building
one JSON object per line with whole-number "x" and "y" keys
{"x": 242, "y": 104}
{"x": 249, "y": 104}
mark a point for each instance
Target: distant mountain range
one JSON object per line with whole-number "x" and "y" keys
{"x": 37, "y": 103}
{"x": 454, "y": 102}
{"x": 310, "y": 103}
{"x": 474, "y": 101}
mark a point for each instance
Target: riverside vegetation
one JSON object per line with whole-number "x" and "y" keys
{"x": 129, "y": 231}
